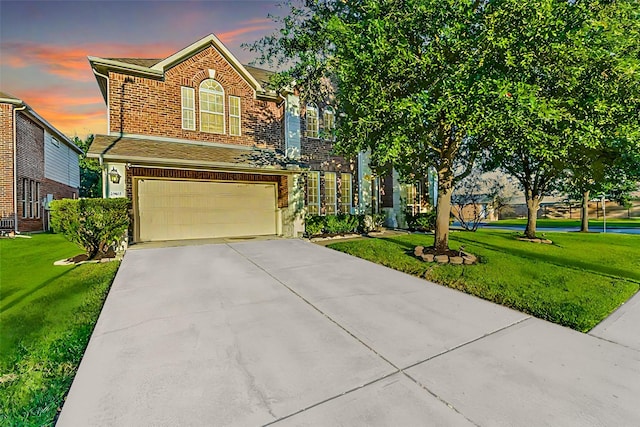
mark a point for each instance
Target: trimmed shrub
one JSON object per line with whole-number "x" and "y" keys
{"x": 367, "y": 223}
{"x": 331, "y": 224}
{"x": 422, "y": 221}
{"x": 313, "y": 225}
{"x": 94, "y": 224}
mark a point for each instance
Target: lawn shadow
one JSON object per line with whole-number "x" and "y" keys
{"x": 619, "y": 273}
{"x": 32, "y": 291}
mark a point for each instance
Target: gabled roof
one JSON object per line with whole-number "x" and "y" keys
{"x": 10, "y": 99}
{"x": 184, "y": 153}
{"x": 156, "y": 68}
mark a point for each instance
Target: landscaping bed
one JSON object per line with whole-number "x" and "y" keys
{"x": 577, "y": 281}
{"x": 47, "y": 315}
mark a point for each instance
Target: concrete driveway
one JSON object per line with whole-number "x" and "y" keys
{"x": 289, "y": 333}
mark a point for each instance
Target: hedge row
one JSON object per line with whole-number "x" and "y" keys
{"x": 342, "y": 224}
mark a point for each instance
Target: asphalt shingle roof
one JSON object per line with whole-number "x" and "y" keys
{"x": 155, "y": 150}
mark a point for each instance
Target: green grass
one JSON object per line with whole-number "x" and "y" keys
{"x": 576, "y": 282}
{"x": 565, "y": 223}
{"x": 47, "y": 314}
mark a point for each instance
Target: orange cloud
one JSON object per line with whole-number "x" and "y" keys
{"x": 252, "y": 26}
{"x": 70, "y": 62}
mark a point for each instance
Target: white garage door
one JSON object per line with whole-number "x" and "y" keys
{"x": 173, "y": 210}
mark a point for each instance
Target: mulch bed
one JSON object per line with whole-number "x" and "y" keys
{"x": 84, "y": 257}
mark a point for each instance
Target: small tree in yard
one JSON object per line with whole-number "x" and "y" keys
{"x": 94, "y": 224}
{"x": 90, "y": 170}
{"x": 494, "y": 192}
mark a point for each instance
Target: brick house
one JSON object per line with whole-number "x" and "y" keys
{"x": 204, "y": 148}
{"x": 37, "y": 164}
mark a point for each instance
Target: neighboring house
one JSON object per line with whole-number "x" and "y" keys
{"x": 204, "y": 148}
{"x": 37, "y": 164}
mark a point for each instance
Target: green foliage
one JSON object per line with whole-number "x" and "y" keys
{"x": 426, "y": 83}
{"x": 562, "y": 283}
{"x": 421, "y": 221}
{"x": 570, "y": 93}
{"x": 314, "y": 225}
{"x": 47, "y": 315}
{"x": 94, "y": 224}
{"x": 90, "y": 170}
{"x": 331, "y": 224}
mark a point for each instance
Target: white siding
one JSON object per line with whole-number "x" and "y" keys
{"x": 60, "y": 162}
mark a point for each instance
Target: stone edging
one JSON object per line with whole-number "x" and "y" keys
{"x": 464, "y": 257}
{"x": 536, "y": 240}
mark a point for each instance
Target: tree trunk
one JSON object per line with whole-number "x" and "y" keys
{"x": 533, "y": 204}
{"x": 443, "y": 212}
{"x": 584, "y": 215}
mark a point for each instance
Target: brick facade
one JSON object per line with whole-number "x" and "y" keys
{"x": 6, "y": 161}
{"x": 30, "y": 165}
{"x": 145, "y": 106}
{"x": 318, "y": 154}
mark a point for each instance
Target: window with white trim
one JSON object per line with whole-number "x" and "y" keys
{"x": 188, "y": 108}
{"x": 330, "y": 194}
{"x": 346, "y": 193}
{"x": 234, "y": 116}
{"x": 329, "y": 121}
{"x": 312, "y": 121}
{"x": 313, "y": 193}
{"x": 55, "y": 142}
{"x": 211, "y": 107}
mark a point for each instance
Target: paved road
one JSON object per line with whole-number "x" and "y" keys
{"x": 289, "y": 333}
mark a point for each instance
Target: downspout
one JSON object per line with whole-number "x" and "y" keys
{"x": 15, "y": 169}
{"x": 101, "y": 157}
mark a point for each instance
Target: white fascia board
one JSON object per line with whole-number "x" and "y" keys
{"x": 201, "y": 44}
{"x": 117, "y": 65}
{"x": 11, "y": 101}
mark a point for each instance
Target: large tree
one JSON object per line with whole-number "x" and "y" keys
{"x": 571, "y": 91}
{"x": 408, "y": 77}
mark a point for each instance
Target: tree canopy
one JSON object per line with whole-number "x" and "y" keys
{"x": 426, "y": 83}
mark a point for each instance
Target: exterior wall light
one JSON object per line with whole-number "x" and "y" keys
{"x": 114, "y": 176}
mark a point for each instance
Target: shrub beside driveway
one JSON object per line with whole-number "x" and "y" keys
{"x": 576, "y": 282}
{"x": 47, "y": 314}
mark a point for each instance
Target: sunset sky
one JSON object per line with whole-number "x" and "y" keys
{"x": 44, "y": 46}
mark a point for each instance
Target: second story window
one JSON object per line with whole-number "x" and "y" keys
{"x": 312, "y": 121}
{"x": 329, "y": 120}
{"x": 188, "y": 108}
{"x": 211, "y": 107}
{"x": 234, "y": 116}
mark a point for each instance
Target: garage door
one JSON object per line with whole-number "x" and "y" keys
{"x": 173, "y": 210}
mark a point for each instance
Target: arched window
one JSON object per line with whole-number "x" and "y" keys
{"x": 312, "y": 121}
{"x": 211, "y": 107}
{"x": 329, "y": 121}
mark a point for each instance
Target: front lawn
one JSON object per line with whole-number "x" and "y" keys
{"x": 570, "y": 223}
{"x": 47, "y": 314}
{"x": 576, "y": 282}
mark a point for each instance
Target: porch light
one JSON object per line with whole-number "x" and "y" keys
{"x": 114, "y": 176}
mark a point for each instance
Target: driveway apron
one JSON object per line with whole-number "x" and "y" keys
{"x": 286, "y": 332}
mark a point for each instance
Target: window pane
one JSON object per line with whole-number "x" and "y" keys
{"x": 313, "y": 193}
{"x": 330, "y": 193}
{"x": 345, "y": 193}
{"x": 312, "y": 121}
{"x": 211, "y": 107}
{"x": 188, "y": 108}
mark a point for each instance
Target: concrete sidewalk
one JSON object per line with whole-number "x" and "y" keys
{"x": 292, "y": 333}
{"x": 623, "y": 325}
